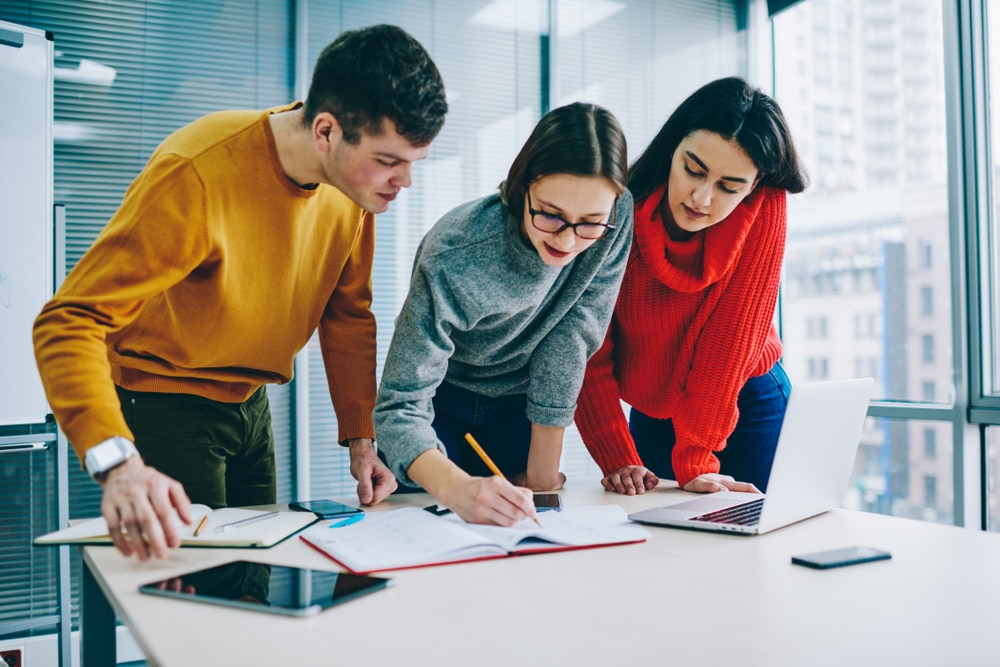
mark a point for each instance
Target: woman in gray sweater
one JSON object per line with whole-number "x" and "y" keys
{"x": 509, "y": 297}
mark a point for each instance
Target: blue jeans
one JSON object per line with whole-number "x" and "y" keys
{"x": 749, "y": 450}
{"x": 499, "y": 424}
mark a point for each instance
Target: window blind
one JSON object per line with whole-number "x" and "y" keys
{"x": 492, "y": 76}
{"x": 128, "y": 73}
{"x": 27, "y": 578}
{"x": 639, "y": 59}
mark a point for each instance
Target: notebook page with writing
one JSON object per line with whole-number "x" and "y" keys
{"x": 412, "y": 537}
{"x": 578, "y": 526}
{"x": 400, "y": 538}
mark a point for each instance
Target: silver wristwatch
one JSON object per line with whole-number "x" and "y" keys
{"x": 109, "y": 454}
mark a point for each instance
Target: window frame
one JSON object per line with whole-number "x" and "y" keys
{"x": 963, "y": 37}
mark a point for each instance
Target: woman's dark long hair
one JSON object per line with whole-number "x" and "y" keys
{"x": 580, "y": 139}
{"x": 733, "y": 109}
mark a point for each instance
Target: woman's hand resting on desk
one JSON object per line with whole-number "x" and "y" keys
{"x": 712, "y": 482}
{"x": 631, "y": 480}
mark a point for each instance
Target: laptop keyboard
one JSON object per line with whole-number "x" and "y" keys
{"x": 746, "y": 514}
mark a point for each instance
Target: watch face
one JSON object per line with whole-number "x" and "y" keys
{"x": 105, "y": 456}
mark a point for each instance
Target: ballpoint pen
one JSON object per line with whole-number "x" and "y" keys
{"x": 489, "y": 464}
{"x": 348, "y": 521}
{"x": 244, "y": 522}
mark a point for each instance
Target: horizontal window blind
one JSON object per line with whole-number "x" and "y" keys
{"x": 639, "y": 59}
{"x": 492, "y": 74}
{"x": 27, "y": 510}
{"x": 128, "y": 73}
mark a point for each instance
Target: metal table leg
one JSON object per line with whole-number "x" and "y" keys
{"x": 97, "y": 621}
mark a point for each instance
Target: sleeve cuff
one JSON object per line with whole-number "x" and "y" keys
{"x": 690, "y": 461}
{"x": 549, "y": 416}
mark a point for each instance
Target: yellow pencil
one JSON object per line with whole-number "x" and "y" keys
{"x": 489, "y": 463}
{"x": 201, "y": 524}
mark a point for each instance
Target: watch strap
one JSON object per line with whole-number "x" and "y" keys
{"x": 104, "y": 456}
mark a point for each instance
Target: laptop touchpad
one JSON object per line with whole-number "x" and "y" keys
{"x": 702, "y": 505}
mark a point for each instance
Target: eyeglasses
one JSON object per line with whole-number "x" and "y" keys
{"x": 550, "y": 223}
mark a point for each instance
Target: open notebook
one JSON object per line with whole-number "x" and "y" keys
{"x": 265, "y": 532}
{"x": 411, "y": 537}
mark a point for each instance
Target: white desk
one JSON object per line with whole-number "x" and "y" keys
{"x": 683, "y": 597}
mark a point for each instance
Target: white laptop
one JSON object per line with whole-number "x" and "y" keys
{"x": 812, "y": 466}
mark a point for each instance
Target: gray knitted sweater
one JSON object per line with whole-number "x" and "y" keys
{"x": 486, "y": 314}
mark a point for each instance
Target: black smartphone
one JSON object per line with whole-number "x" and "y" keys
{"x": 437, "y": 510}
{"x": 324, "y": 509}
{"x": 548, "y": 501}
{"x": 274, "y": 589}
{"x": 823, "y": 560}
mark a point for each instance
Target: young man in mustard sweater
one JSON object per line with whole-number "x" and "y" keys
{"x": 245, "y": 232}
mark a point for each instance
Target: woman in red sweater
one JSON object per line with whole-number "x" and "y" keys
{"x": 692, "y": 346}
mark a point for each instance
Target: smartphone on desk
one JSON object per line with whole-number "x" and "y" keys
{"x": 824, "y": 560}
{"x": 548, "y": 501}
{"x": 324, "y": 509}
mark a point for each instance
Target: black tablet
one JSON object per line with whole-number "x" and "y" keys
{"x": 275, "y": 589}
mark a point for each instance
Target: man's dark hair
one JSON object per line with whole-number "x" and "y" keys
{"x": 378, "y": 72}
{"x": 733, "y": 109}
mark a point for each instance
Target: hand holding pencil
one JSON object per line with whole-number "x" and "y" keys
{"x": 489, "y": 463}
{"x": 491, "y": 500}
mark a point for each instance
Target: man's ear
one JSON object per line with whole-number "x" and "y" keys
{"x": 326, "y": 131}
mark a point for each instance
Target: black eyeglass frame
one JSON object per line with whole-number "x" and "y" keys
{"x": 606, "y": 226}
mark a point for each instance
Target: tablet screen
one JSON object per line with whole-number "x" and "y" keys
{"x": 269, "y": 588}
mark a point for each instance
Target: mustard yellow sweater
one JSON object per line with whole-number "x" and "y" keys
{"x": 212, "y": 274}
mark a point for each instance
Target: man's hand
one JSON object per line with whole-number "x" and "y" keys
{"x": 631, "y": 480}
{"x": 138, "y": 504}
{"x": 375, "y": 480}
{"x": 712, "y": 482}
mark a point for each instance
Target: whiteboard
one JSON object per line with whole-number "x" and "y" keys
{"x": 25, "y": 215}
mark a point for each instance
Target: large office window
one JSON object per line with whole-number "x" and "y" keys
{"x": 862, "y": 85}
{"x": 990, "y": 225}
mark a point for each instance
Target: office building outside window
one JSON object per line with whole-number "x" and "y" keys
{"x": 862, "y": 85}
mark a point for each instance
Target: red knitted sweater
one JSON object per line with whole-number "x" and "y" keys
{"x": 692, "y": 324}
